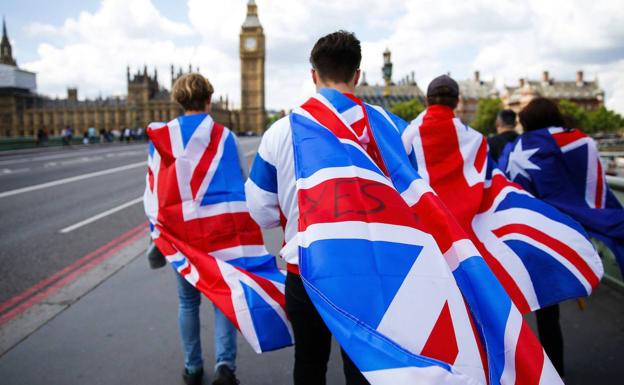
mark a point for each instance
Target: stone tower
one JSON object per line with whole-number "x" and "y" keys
{"x": 386, "y": 71}
{"x": 6, "y": 52}
{"x": 252, "y": 116}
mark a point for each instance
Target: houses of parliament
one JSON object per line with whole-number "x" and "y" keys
{"x": 23, "y": 111}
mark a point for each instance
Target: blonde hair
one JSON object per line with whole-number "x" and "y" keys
{"x": 192, "y": 91}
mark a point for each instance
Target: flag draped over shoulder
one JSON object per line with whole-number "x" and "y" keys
{"x": 394, "y": 277}
{"x": 562, "y": 167}
{"x": 540, "y": 255}
{"x": 196, "y": 205}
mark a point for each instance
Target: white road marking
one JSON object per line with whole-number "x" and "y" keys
{"x": 7, "y": 171}
{"x": 71, "y": 179}
{"x": 78, "y": 152}
{"x": 100, "y": 216}
{"x": 250, "y": 153}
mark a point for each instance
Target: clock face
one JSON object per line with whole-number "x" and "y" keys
{"x": 250, "y": 43}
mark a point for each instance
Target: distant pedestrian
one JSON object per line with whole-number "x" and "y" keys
{"x": 126, "y": 135}
{"x": 85, "y": 138}
{"x": 505, "y": 132}
{"x": 39, "y": 137}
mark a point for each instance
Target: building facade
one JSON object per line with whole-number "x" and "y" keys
{"x": 586, "y": 94}
{"x": 389, "y": 93}
{"x": 470, "y": 92}
{"x": 23, "y": 111}
{"x": 252, "y": 53}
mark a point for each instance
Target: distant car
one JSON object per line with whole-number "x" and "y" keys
{"x": 250, "y": 133}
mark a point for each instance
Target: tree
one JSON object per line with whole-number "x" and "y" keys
{"x": 603, "y": 120}
{"x": 574, "y": 116}
{"x": 409, "y": 110}
{"x": 485, "y": 119}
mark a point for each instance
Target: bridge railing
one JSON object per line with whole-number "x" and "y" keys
{"x": 612, "y": 270}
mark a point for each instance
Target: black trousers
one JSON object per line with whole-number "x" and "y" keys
{"x": 549, "y": 331}
{"x": 312, "y": 339}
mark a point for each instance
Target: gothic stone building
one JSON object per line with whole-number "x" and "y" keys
{"x": 586, "y": 94}
{"x": 470, "y": 92}
{"x": 389, "y": 93}
{"x": 23, "y": 111}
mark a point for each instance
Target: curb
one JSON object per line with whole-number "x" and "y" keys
{"x": 17, "y": 329}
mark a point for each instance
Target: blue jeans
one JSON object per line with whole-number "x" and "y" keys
{"x": 188, "y": 319}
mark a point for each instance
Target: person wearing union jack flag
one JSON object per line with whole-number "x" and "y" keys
{"x": 188, "y": 230}
{"x": 538, "y": 253}
{"x": 272, "y": 199}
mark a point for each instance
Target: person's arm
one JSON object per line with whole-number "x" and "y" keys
{"x": 261, "y": 186}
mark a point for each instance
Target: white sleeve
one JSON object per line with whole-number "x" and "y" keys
{"x": 261, "y": 186}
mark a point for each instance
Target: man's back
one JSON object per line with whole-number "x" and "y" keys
{"x": 497, "y": 142}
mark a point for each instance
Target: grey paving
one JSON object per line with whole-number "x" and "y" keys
{"x": 125, "y": 332}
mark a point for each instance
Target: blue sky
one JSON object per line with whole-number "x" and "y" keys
{"x": 88, "y": 43}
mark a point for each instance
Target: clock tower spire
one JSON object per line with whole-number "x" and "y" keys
{"x": 252, "y": 115}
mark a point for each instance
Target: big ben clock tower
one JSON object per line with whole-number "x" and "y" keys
{"x": 252, "y": 116}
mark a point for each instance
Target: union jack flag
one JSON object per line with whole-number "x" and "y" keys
{"x": 562, "y": 167}
{"x": 540, "y": 255}
{"x": 394, "y": 277}
{"x": 196, "y": 205}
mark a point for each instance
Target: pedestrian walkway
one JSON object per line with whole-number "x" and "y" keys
{"x": 124, "y": 331}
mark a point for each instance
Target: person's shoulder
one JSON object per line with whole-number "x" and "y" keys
{"x": 278, "y": 130}
{"x": 396, "y": 121}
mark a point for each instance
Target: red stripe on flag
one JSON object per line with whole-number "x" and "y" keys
{"x": 442, "y": 343}
{"x": 268, "y": 287}
{"x": 214, "y": 233}
{"x": 207, "y": 157}
{"x": 561, "y": 248}
{"x": 327, "y": 118}
{"x": 599, "y": 185}
{"x": 445, "y": 165}
{"x": 481, "y": 157}
{"x": 352, "y": 199}
{"x": 332, "y": 122}
{"x": 566, "y": 137}
{"x": 529, "y": 360}
{"x": 216, "y": 288}
{"x": 150, "y": 178}
{"x": 503, "y": 276}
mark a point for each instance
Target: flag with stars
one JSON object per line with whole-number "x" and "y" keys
{"x": 539, "y": 254}
{"x": 562, "y": 167}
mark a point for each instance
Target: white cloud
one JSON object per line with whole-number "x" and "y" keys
{"x": 504, "y": 39}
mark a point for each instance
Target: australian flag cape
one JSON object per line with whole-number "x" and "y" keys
{"x": 392, "y": 274}
{"x": 195, "y": 202}
{"x": 539, "y": 254}
{"x": 562, "y": 167}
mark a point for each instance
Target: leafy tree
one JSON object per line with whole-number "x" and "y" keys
{"x": 604, "y": 120}
{"x": 409, "y": 110}
{"x": 485, "y": 118}
{"x": 574, "y": 115}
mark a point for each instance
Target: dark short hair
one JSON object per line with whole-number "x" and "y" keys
{"x": 449, "y": 101}
{"x": 337, "y": 56}
{"x": 508, "y": 117}
{"x": 541, "y": 113}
